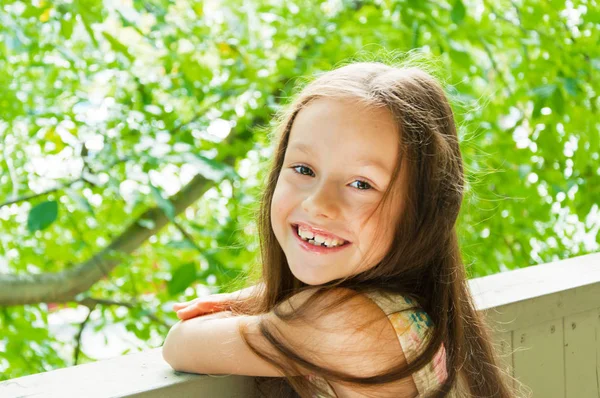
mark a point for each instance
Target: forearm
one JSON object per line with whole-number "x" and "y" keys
{"x": 213, "y": 345}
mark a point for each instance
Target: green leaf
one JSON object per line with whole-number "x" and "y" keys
{"x": 129, "y": 24}
{"x": 544, "y": 91}
{"x": 458, "y": 53}
{"x": 524, "y": 170}
{"x": 66, "y": 28}
{"x": 538, "y": 104}
{"x": 458, "y": 12}
{"x": 165, "y": 204}
{"x": 558, "y": 102}
{"x": 118, "y": 46}
{"x": 87, "y": 20}
{"x": 571, "y": 86}
{"x": 182, "y": 278}
{"x": 42, "y": 216}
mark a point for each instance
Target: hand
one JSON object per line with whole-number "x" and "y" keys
{"x": 203, "y": 305}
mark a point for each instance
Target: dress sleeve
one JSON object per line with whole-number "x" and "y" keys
{"x": 411, "y": 327}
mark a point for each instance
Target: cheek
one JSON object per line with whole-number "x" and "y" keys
{"x": 278, "y": 202}
{"x": 376, "y": 228}
{"x": 281, "y": 205}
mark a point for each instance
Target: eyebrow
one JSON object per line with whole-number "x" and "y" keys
{"x": 307, "y": 149}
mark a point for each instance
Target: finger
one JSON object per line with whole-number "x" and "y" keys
{"x": 200, "y": 300}
{"x": 205, "y": 306}
{"x": 188, "y": 304}
{"x": 196, "y": 309}
{"x": 188, "y": 314}
{"x": 182, "y": 315}
{"x": 184, "y": 304}
{"x": 178, "y": 306}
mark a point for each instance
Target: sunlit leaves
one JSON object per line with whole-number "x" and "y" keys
{"x": 142, "y": 96}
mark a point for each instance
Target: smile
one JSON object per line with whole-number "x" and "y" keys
{"x": 316, "y": 247}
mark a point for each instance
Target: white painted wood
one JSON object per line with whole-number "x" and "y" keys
{"x": 496, "y": 290}
{"x": 598, "y": 352}
{"x": 539, "y": 358}
{"x": 504, "y": 348}
{"x": 135, "y": 375}
{"x": 544, "y": 308}
{"x": 534, "y": 295}
{"x": 581, "y": 348}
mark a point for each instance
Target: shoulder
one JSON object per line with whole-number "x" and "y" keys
{"x": 413, "y": 326}
{"x": 337, "y": 319}
{"x": 345, "y": 331}
{"x": 348, "y": 332}
{"x": 340, "y": 311}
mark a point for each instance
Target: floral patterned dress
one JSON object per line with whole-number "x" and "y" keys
{"x": 410, "y": 326}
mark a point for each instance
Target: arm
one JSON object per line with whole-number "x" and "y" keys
{"x": 211, "y": 344}
{"x": 214, "y": 346}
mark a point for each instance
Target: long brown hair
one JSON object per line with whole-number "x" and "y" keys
{"x": 424, "y": 261}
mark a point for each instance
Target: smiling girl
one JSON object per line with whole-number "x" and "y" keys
{"x": 363, "y": 290}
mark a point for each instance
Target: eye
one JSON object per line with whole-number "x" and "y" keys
{"x": 361, "y": 186}
{"x": 364, "y": 184}
{"x": 302, "y": 167}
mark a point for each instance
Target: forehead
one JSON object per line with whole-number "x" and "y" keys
{"x": 346, "y": 131}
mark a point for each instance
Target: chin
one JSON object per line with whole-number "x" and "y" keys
{"x": 307, "y": 278}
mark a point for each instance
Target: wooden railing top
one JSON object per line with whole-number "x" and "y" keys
{"x": 138, "y": 375}
{"x": 527, "y": 296}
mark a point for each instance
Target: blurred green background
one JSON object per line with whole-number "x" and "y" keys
{"x": 133, "y": 139}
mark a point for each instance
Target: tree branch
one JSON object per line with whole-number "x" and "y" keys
{"x": 43, "y": 193}
{"x": 78, "y": 337}
{"x": 66, "y": 284}
{"x": 61, "y": 187}
{"x": 187, "y": 236}
{"x": 490, "y": 55}
{"x": 70, "y": 284}
{"x": 91, "y": 302}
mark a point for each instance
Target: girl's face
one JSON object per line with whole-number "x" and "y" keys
{"x": 338, "y": 163}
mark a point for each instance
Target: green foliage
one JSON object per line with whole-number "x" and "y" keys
{"x": 108, "y": 109}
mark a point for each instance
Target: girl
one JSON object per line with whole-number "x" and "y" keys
{"x": 363, "y": 291}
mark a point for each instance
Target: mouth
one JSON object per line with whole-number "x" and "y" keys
{"x": 312, "y": 244}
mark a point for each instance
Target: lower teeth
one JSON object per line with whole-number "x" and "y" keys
{"x": 312, "y": 242}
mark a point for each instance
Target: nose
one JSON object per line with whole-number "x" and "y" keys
{"x": 322, "y": 202}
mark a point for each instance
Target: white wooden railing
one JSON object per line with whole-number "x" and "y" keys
{"x": 547, "y": 317}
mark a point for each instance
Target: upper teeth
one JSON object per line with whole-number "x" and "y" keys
{"x": 308, "y": 234}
